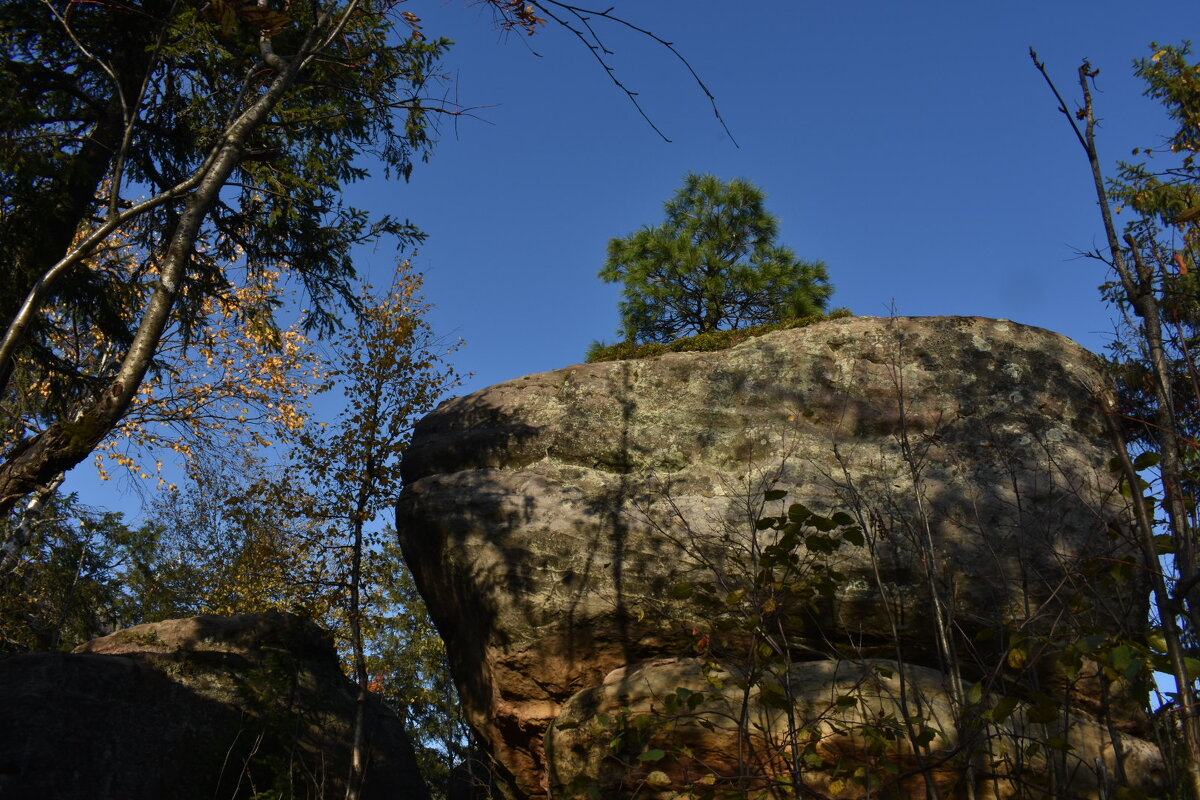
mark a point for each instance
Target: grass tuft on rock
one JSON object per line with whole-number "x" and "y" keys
{"x": 703, "y": 342}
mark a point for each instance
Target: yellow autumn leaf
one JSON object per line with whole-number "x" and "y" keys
{"x": 658, "y": 779}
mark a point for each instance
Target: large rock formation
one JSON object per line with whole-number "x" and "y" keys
{"x": 559, "y": 524}
{"x": 229, "y": 707}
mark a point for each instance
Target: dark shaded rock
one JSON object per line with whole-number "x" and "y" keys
{"x": 193, "y": 708}
{"x": 548, "y": 519}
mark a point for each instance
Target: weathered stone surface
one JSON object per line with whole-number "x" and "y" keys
{"x": 838, "y": 707}
{"x": 193, "y": 708}
{"x": 547, "y": 519}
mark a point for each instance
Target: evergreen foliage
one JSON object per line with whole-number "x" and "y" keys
{"x": 712, "y": 265}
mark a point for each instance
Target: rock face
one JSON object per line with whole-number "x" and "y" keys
{"x": 557, "y": 525}
{"x": 230, "y": 707}
{"x": 837, "y": 732}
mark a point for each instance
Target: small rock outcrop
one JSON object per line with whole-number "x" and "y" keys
{"x": 559, "y": 525}
{"x": 229, "y": 707}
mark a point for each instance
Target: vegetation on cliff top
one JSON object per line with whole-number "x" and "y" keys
{"x": 704, "y": 342}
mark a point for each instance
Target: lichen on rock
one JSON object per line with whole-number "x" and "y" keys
{"x": 550, "y": 519}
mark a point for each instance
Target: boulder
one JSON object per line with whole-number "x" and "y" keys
{"x": 557, "y": 524}
{"x": 724, "y": 733}
{"x": 230, "y": 707}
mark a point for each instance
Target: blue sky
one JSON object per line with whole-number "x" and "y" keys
{"x": 911, "y": 146}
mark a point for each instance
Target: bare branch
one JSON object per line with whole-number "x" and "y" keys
{"x": 1062, "y": 104}
{"x": 577, "y": 20}
{"x": 669, "y": 46}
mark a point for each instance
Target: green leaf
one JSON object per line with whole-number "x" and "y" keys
{"x": 1125, "y": 660}
{"x": 797, "y": 512}
{"x": 819, "y": 543}
{"x": 653, "y": 755}
{"x": 1146, "y": 460}
{"x": 975, "y": 694}
{"x": 926, "y": 736}
{"x": 1043, "y": 712}
{"x": 774, "y": 494}
{"x": 1003, "y": 709}
{"x": 682, "y": 590}
{"x": 823, "y": 524}
{"x": 1161, "y": 662}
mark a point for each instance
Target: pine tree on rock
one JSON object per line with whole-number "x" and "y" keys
{"x": 712, "y": 265}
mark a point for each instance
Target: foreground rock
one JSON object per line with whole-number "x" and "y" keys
{"x": 558, "y": 524}
{"x": 228, "y": 707}
{"x": 839, "y": 715}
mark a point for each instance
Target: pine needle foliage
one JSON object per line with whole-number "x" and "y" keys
{"x": 712, "y": 265}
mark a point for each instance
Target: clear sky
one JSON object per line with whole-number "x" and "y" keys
{"x": 910, "y": 145}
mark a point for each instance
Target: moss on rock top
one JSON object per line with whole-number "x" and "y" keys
{"x": 704, "y": 342}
